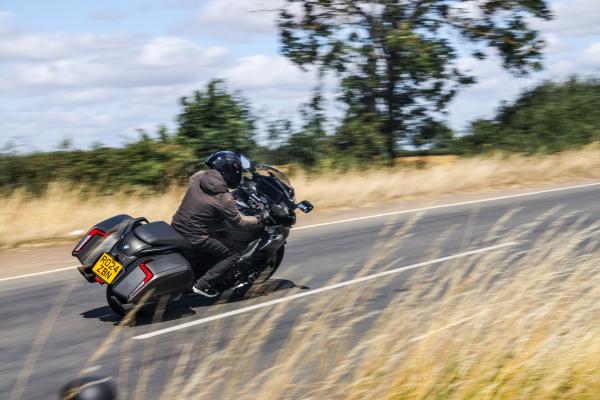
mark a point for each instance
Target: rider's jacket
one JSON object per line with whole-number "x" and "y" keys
{"x": 205, "y": 205}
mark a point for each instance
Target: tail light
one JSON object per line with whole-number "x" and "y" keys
{"x": 148, "y": 276}
{"x": 146, "y": 271}
{"x": 92, "y": 233}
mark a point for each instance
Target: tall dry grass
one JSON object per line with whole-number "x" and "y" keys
{"x": 61, "y": 212}
{"x": 514, "y": 323}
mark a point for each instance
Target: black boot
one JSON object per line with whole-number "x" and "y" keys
{"x": 205, "y": 289}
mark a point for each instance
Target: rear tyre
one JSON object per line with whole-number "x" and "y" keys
{"x": 114, "y": 302}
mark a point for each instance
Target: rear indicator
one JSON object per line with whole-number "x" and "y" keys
{"x": 93, "y": 232}
{"x": 147, "y": 272}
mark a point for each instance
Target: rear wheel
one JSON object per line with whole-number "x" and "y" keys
{"x": 114, "y": 301}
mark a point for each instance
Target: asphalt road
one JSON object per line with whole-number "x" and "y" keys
{"x": 52, "y": 324}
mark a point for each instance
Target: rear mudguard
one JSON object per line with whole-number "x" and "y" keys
{"x": 162, "y": 274}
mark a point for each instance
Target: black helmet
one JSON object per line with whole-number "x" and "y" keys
{"x": 229, "y": 164}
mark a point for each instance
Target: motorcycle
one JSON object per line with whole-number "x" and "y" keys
{"x": 141, "y": 261}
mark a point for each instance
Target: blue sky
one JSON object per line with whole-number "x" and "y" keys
{"x": 95, "y": 71}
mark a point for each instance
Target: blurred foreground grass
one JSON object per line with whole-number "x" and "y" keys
{"x": 513, "y": 323}
{"x": 62, "y": 213}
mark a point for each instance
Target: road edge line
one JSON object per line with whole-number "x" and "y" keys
{"x": 38, "y": 273}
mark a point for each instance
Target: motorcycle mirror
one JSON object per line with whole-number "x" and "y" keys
{"x": 305, "y": 206}
{"x": 246, "y": 163}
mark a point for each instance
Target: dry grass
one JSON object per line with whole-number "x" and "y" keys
{"x": 58, "y": 213}
{"x": 501, "y": 325}
{"x": 463, "y": 175}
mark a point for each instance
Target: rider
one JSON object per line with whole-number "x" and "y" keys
{"x": 205, "y": 205}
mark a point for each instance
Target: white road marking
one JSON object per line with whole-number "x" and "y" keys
{"x": 462, "y": 203}
{"x": 317, "y": 291}
{"x": 38, "y": 273}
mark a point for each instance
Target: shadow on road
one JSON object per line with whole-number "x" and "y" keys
{"x": 183, "y": 306}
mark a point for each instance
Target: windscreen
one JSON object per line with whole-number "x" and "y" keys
{"x": 267, "y": 170}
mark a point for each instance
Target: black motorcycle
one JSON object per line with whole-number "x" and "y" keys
{"x": 138, "y": 259}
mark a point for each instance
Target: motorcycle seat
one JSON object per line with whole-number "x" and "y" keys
{"x": 160, "y": 233}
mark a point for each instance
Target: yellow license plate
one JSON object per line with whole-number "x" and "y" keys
{"x": 107, "y": 268}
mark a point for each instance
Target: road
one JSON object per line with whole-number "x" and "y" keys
{"x": 53, "y": 323}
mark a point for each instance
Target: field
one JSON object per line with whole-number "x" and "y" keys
{"x": 63, "y": 214}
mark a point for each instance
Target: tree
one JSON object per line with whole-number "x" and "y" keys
{"x": 308, "y": 146}
{"x": 433, "y": 134}
{"x": 214, "y": 119}
{"x": 550, "y": 117}
{"x": 397, "y": 59}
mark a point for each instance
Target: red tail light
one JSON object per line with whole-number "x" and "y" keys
{"x": 93, "y": 232}
{"x": 147, "y": 272}
{"x": 147, "y": 278}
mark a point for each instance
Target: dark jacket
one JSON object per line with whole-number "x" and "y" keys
{"x": 205, "y": 205}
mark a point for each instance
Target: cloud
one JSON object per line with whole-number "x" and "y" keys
{"x": 108, "y": 15}
{"x": 18, "y": 46}
{"x": 261, "y": 72}
{"x": 173, "y": 51}
{"x": 234, "y": 20}
{"x": 102, "y": 61}
{"x": 572, "y": 18}
{"x": 591, "y": 57}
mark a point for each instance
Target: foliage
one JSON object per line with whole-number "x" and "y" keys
{"x": 550, "y": 117}
{"x": 148, "y": 164}
{"x": 214, "y": 120}
{"x": 396, "y": 62}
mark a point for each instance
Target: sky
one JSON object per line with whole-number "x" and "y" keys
{"x": 94, "y": 71}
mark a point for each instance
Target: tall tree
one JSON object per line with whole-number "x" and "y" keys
{"x": 397, "y": 59}
{"x": 214, "y": 119}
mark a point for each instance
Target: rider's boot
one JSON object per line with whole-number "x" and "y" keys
{"x": 204, "y": 288}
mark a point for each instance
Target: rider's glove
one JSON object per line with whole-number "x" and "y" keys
{"x": 263, "y": 216}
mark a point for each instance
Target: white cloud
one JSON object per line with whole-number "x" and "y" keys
{"x": 172, "y": 51}
{"x": 19, "y": 46}
{"x": 102, "y": 61}
{"x": 554, "y": 44}
{"x": 573, "y": 18}
{"x": 591, "y": 57}
{"x": 261, "y": 72}
{"x": 4, "y": 15}
{"x": 234, "y": 20}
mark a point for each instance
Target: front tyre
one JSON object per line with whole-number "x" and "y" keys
{"x": 271, "y": 267}
{"x": 114, "y": 302}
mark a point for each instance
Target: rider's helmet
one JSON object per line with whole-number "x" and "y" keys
{"x": 229, "y": 164}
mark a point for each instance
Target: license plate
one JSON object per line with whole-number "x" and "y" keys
{"x": 107, "y": 268}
